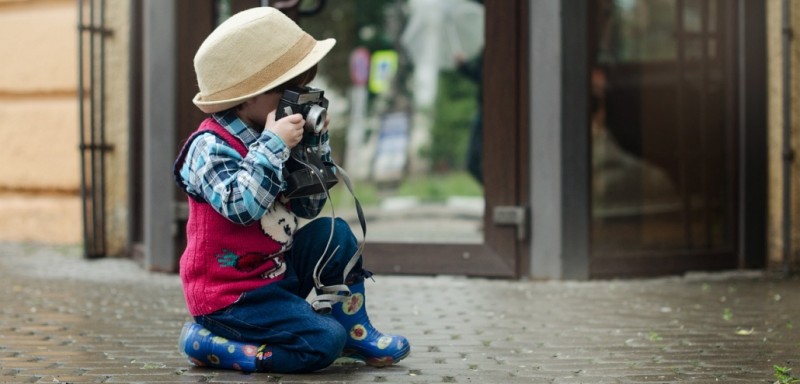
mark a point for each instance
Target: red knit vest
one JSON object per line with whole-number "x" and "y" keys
{"x": 223, "y": 259}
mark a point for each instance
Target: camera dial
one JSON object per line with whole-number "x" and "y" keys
{"x": 315, "y": 118}
{"x": 309, "y": 102}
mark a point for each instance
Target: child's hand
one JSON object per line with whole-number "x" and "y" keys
{"x": 288, "y": 128}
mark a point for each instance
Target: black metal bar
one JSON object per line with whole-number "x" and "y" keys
{"x": 101, "y": 147}
{"x": 92, "y": 146}
{"x": 101, "y": 126}
{"x": 95, "y": 30}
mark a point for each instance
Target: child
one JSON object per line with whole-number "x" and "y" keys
{"x": 247, "y": 267}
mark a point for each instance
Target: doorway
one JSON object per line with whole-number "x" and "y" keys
{"x": 452, "y": 223}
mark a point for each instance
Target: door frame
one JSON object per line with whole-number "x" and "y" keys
{"x": 505, "y": 102}
{"x": 505, "y": 163}
{"x": 559, "y": 140}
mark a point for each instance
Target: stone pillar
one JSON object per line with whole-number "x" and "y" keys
{"x": 775, "y": 139}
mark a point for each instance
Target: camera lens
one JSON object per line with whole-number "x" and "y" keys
{"x": 315, "y": 119}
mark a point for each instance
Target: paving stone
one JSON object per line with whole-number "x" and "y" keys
{"x": 66, "y": 319}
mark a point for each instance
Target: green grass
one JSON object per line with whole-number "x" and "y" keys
{"x": 439, "y": 187}
{"x": 428, "y": 188}
{"x": 366, "y": 193}
{"x": 784, "y": 375}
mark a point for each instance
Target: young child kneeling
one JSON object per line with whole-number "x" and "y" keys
{"x": 247, "y": 267}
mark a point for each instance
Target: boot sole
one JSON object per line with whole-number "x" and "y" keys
{"x": 379, "y": 362}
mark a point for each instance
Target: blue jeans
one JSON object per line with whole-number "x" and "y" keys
{"x": 278, "y": 315}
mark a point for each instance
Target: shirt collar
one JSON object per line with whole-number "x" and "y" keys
{"x": 236, "y": 126}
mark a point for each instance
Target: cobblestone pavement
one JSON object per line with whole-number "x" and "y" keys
{"x": 65, "y": 319}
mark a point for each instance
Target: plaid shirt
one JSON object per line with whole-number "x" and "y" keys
{"x": 242, "y": 189}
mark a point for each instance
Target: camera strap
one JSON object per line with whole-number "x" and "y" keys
{"x": 327, "y": 295}
{"x": 340, "y": 292}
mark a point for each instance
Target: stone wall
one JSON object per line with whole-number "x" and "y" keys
{"x": 38, "y": 88}
{"x": 775, "y": 139}
{"x": 39, "y": 127}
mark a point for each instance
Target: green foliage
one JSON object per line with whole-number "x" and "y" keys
{"x": 427, "y": 188}
{"x": 456, "y": 107}
{"x": 352, "y": 23}
{"x": 654, "y": 336}
{"x": 727, "y": 314}
{"x": 367, "y": 194}
{"x": 376, "y": 24}
{"x": 440, "y": 187}
{"x": 784, "y": 375}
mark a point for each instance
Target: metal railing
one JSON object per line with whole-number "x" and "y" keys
{"x": 91, "y": 112}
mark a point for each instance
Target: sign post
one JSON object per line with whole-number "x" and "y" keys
{"x": 356, "y": 154}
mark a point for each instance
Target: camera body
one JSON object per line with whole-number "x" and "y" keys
{"x": 305, "y": 172}
{"x": 307, "y": 101}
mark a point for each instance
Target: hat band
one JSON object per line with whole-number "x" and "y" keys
{"x": 268, "y": 74}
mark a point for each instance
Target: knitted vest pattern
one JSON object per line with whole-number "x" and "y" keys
{"x": 223, "y": 259}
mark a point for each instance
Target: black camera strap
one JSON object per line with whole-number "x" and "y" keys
{"x": 327, "y": 295}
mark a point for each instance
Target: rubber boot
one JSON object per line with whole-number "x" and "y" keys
{"x": 364, "y": 342}
{"x": 207, "y": 350}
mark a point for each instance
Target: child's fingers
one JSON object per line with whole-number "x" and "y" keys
{"x": 294, "y": 118}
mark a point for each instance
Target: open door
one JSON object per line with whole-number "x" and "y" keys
{"x": 455, "y": 237}
{"x": 435, "y": 218}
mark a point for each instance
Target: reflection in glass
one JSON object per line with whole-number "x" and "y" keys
{"x": 636, "y": 30}
{"x": 693, "y": 15}
{"x": 661, "y": 145}
{"x": 403, "y": 115}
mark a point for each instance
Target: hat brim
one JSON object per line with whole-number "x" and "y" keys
{"x": 321, "y": 48}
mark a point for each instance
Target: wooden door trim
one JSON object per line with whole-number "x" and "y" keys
{"x": 425, "y": 259}
{"x": 505, "y": 139}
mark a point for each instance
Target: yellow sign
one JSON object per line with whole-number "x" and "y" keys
{"x": 383, "y": 67}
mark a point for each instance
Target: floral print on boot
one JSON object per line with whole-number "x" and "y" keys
{"x": 207, "y": 350}
{"x": 364, "y": 342}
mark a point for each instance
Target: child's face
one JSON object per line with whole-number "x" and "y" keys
{"x": 254, "y": 111}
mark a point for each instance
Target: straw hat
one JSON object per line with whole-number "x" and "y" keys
{"x": 250, "y": 53}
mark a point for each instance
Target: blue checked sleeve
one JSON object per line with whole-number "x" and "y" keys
{"x": 241, "y": 189}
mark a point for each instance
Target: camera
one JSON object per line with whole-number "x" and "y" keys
{"x": 307, "y": 101}
{"x": 305, "y": 172}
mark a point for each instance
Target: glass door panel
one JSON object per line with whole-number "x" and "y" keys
{"x": 404, "y": 87}
{"x": 662, "y": 130}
